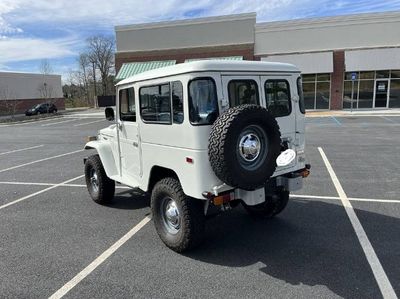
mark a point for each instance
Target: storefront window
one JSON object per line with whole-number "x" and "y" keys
{"x": 309, "y": 94}
{"x": 395, "y": 74}
{"x": 323, "y": 94}
{"x": 366, "y": 94}
{"x": 316, "y": 89}
{"x": 382, "y": 74}
{"x": 367, "y": 75}
{"x": 347, "y": 94}
{"x": 394, "y": 97}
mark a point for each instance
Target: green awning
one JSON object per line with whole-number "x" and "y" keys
{"x": 216, "y": 58}
{"x": 134, "y": 68}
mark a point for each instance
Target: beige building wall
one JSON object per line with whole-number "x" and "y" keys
{"x": 202, "y": 32}
{"x": 27, "y": 86}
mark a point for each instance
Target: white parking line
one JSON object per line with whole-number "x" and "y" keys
{"x": 22, "y": 149}
{"x": 92, "y": 122}
{"x": 380, "y": 200}
{"x": 27, "y": 122}
{"x": 37, "y": 193}
{"x": 381, "y": 278}
{"x": 99, "y": 260}
{"x": 41, "y": 160}
{"x": 60, "y": 122}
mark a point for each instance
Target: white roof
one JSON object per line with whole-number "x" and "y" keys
{"x": 213, "y": 66}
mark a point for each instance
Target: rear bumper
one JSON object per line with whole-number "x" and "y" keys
{"x": 293, "y": 181}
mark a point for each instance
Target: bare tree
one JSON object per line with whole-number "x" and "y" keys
{"x": 45, "y": 89}
{"x": 8, "y": 101}
{"x": 84, "y": 74}
{"x": 101, "y": 55}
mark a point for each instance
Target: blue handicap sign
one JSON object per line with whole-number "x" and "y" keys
{"x": 353, "y": 76}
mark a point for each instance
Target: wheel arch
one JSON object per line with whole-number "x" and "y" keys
{"x": 106, "y": 156}
{"x": 157, "y": 173}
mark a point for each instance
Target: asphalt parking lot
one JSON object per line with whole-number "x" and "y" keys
{"x": 338, "y": 237}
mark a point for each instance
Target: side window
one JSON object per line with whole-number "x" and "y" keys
{"x": 301, "y": 95}
{"x": 177, "y": 102}
{"x": 127, "y": 104}
{"x": 203, "y": 101}
{"x": 155, "y": 104}
{"x": 277, "y": 94}
{"x": 243, "y": 92}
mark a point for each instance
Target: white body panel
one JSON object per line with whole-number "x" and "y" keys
{"x": 143, "y": 146}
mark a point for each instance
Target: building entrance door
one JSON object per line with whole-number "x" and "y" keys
{"x": 381, "y": 95}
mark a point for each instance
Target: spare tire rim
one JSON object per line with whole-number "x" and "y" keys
{"x": 170, "y": 215}
{"x": 252, "y": 147}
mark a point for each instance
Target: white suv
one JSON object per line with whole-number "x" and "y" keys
{"x": 199, "y": 135}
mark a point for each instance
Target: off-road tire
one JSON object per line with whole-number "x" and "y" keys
{"x": 192, "y": 224}
{"x": 223, "y": 148}
{"x": 106, "y": 186}
{"x": 272, "y": 206}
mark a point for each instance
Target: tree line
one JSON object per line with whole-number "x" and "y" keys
{"x": 95, "y": 72}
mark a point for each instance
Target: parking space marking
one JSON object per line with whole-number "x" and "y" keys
{"x": 41, "y": 160}
{"x": 22, "y": 149}
{"x": 27, "y": 122}
{"x": 381, "y": 278}
{"x": 99, "y": 260}
{"x": 50, "y": 184}
{"x": 39, "y": 192}
{"x": 59, "y": 122}
{"x": 388, "y": 119}
{"x": 92, "y": 122}
{"x": 380, "y": 200}
{"x": 336, "y": 121}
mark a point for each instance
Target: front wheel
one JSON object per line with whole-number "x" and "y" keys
{"x": 179, "y": 220}
{"x": 273, "y": 205}
{"x": 101, "y": 188}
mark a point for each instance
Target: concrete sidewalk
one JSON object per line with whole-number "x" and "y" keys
{"x": 376, "y": 112}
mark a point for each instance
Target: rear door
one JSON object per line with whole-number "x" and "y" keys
{"x": 280, "y": 95}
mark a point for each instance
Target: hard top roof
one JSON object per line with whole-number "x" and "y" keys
{"x": 213, "y": 65}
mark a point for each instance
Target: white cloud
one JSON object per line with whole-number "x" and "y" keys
{"x": 23, "y": 49}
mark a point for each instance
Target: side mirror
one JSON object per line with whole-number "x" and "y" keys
{"x": 109, "y": 113}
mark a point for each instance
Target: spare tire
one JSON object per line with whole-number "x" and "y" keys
{"x": 243, "y": 146}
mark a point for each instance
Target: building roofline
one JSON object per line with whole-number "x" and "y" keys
{"x": 27, "y": 74}
{"x": 352, "y": 19}
{"x": 205, "y": 20}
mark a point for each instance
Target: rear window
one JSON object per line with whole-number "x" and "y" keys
{"x": 277, "y": 94}
{"x": 243, "y": 92}
{"x": 203, "y": 101}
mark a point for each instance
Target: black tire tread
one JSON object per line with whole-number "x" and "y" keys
{"x": 193, "y": 222}
{"x": 217, "y": 138}
{"x": 106, "y": 185}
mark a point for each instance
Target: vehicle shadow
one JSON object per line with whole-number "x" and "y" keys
{"x": 310, "y": 243}
{"x": 129, "y": 199}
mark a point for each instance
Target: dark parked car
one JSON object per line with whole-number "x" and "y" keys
{"x": 41, "y": 108}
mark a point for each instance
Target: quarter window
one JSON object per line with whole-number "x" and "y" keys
{"x": 177, "y": 102}
{"x": 155, "y": 104}
{"x": 203, "y": 101}
{"x": 243, "y": 92}
{"x": 127, "y": 104}
{"x": 277, "y": 94}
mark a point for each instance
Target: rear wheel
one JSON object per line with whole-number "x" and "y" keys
{"x": 273, "y": 205}
{"x": 178, "y": 219}
{"x": 101, "y": 188}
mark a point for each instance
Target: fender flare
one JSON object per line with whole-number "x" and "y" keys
{"x": 106, "y": 156}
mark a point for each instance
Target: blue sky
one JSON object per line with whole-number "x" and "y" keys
{"x": 33, "y": 30}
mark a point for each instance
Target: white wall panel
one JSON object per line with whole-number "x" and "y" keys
{"x": 371, "y": 60}
{"x": 308, "y": 63}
